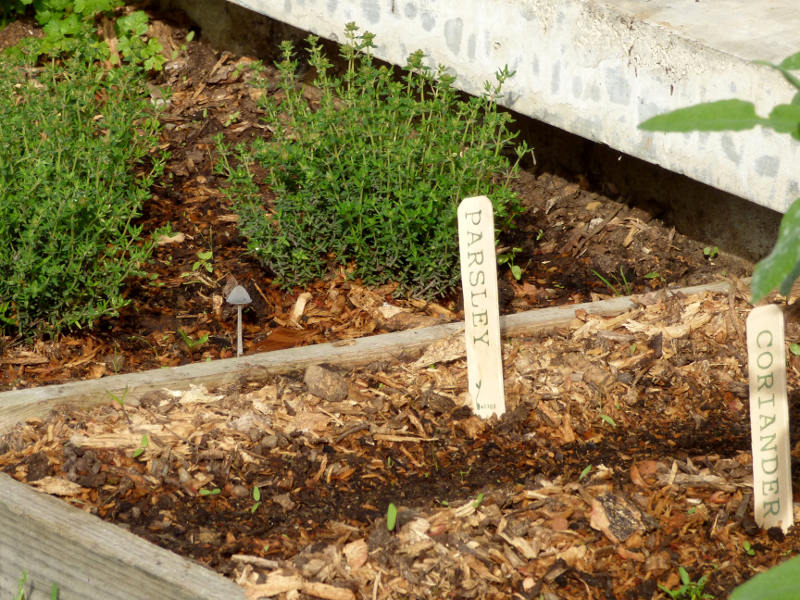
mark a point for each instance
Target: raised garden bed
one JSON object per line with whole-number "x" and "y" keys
{"x": 624, "y": 455}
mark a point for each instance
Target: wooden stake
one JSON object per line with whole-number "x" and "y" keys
{"x": 481, "y": 313}
{"x": 769, "y": 418}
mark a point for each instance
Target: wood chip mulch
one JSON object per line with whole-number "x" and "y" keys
{"x": 623, "y": 455}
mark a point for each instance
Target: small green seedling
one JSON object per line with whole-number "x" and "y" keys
{"x": 232, "y": 118}
{"x": 507, "y": 258}
{"x": 211, "y": 492}
{"x": 391, "y": 517}
{"x": 609, "y": 420}
{"x": 794, "y": 349}
{"x": 748, "y": 549}
{"x": 119, "y": 399}
{"x": 477, "y": 502}
{"x": 621, "y": 281}
{"x": 711, "y": 252}
{"x": 203, "y": 263}
{"x": 586, "y": 470}
{"x": 256, "y": 499}
{"x": 142, "y": 447}
{"x": 21, "y": 586}
{"x": 192, "y": 343}
{"x": 689, "y": 590}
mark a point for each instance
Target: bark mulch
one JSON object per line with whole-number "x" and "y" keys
{"x": 624, "y": 454}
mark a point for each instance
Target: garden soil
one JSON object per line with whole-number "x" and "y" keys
{"x": 624, "y": 453}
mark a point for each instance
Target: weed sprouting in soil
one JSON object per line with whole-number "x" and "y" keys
{"x": 371, "y": 175}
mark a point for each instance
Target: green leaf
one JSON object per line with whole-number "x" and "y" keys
{"x": 784, "y": 118}
{"x": 794, "y": 349}
{"x": 779, "y": 583}
{"x": 782, "y": 266}
{"x": 722, "y": 115}
{"x": 791, "y": 62}
{"x": 391, "y": 516}
{"x": 608, "y": 420}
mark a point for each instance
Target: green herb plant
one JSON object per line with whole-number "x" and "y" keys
{"x": 75, "y": 169}
{"x": 212, "y": 492}
{"x": 371, "y": 175}
{"x": 70, "y": 28}
{"x": 689, "y": 590}
{"x": 782, "y": 266}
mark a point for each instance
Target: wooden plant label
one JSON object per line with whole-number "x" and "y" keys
{"x": 481, "y": 313}
{"x": 769, "y": 418}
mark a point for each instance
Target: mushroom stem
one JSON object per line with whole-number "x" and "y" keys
{"x": 239, "y": 350}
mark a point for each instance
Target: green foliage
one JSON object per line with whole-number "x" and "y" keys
{"x": 782, "y": 266}
{"x": 11, "y": 10}
{"x": 68, "y": 152}
{"x": 779, "y": 583}
{"x": 70, "y": 28}
{"x": 371, "y": 177}
{"x": 689, "y": 590}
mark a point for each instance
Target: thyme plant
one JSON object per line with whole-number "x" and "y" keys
{"x": 370, "y": 176}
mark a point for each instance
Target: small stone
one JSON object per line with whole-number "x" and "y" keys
{"x": 325, "y": 383}
{"x": 240, "y": 491}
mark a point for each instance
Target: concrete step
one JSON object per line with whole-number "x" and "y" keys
{"x": 597, "y": 68}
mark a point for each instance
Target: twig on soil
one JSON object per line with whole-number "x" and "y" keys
{"x": 582, "y": 244}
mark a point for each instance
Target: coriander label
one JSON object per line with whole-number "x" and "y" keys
{"x": 481, "y": 313}
{"x": 769, "y": 418}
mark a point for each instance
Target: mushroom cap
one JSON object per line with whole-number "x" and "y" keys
{"x": 238, "y": 295}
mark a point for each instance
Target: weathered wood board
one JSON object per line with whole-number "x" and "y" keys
{"x": 88, "y": 558}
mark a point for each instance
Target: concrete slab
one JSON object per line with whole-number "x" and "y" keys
{"x": 597, "y": 68}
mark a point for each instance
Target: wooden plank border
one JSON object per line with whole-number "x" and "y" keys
{"x": 16, "y": 406}
{"x": 88, "y": 558}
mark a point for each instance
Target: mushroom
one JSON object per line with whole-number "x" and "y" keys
{"x": 239, "y": 298}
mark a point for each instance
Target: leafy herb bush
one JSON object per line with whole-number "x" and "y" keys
{"x": 782, "y": 266}
{"x": 70, "y": 139}
{"x": 370, "y": 178}
{"x": 70, "y": 27}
